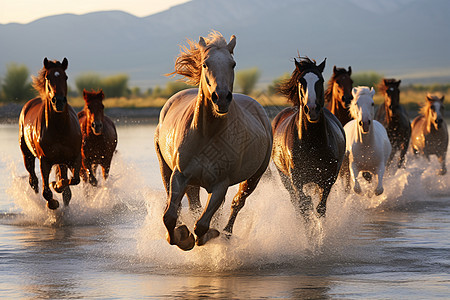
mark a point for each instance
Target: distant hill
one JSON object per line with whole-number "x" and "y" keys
{"x": 408, "y": 39}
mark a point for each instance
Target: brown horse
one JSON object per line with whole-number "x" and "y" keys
{"x": 49, "y": 130}
{"x": 339, "y": 94}
{"x": 309, "y": 141}
{"x": 429, "y": 134}
{"x": 99, "y": 137}
{"x": 394, "y": 118}
{"x": 211, "y": 138}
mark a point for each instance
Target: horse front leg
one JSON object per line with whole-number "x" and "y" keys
{"x": 354, "y": 175}
{"x": 403, "y": 150}
{"x": 215, "y": 200}
{"x": 29, "y": 159}
{"x": 180, "y": 236}
{"x": 76, "y": 167}
{"x": 326, "y": 189}
{"x": 63, "y": 182}
{"x": 379, "y": 189}
{"x": 46, "y": 167}
{"x": 246, "y": 188}
{"x": 441, "y": 159}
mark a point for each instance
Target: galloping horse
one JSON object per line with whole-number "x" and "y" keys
{"x": 368, "y": 147}
{"x": 211, "y": 138}
{"x": 99, "y": 137}
{"x": 49, "y": 130}
{"x": 429, "y": 131}
{"x": 339, "y": 94}
{"x": 309, "y": 141}
{"x": 395, "y": 119}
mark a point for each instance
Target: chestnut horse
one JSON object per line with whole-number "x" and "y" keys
{"x": 99, "y": 137}
{"x": 429, "y": 131}
{"x": 211, "y": 138}
{"x": 394, "y": 118}
{"x": 309, "y": 141}
{"x": 339, "y": 94}
{"x": 49, "y": 130}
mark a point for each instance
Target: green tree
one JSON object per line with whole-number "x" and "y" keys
{"x": 88, "y": 81}
{"x": 273, "y": 88}
{"x": 115, "y": 86}
{"x": 173, "y": 87}
{"x": 246, "y": 79}
{"x": 16, "y": 85}
{"x": 370, "y": 79}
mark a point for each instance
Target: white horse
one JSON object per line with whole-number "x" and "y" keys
{"x": 368, "y": 147}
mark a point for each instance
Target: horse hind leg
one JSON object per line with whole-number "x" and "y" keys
{"x": 441, "y": 159}
{"x": 66, "y": 192}
{"x": 193, "y": 195}
{"x": 29, "y": 159}
{"x": 46, "y": 192}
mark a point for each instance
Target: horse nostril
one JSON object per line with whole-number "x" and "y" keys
{"x": 368, "y": 122}
{"x": 229, "y": 96}
{"x": 54, "y": 100}
{"x": 214, "y": 97}
{"x": 306, "y": 109}
{"x": 360, "y": 123}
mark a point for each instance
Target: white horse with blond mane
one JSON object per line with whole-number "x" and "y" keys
{"x": 211, "y": 138}
{"x": 368, "y": 147}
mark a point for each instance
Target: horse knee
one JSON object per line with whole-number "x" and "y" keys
{"x": 47, "y": 194}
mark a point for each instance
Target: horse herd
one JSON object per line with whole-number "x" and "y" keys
{"x": 212, "y": 138}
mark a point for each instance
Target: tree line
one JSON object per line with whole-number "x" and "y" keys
{"x": 15, "y": 86}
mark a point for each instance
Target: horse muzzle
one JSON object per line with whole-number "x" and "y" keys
{"x": 365, "y": 126}
{"x": 221, "y": 102}
{"x": 312, "y": 113}
{"x": 97, "y": 128}
{"x": 59, "y": 103}
{"x": 347, "y": 100}
{"x": 439, "y": 123}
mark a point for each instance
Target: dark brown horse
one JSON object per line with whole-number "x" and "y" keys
{"x": 309, "y": 141}
{"x": 339, "y": 94}
{"x": 99, "y": 137}
{"x": 394, "y": 118}
{"x": 429, "y": 135}
{"x": 49, "y": 130}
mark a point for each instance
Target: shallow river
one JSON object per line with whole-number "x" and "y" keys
{"x": 111, "y": 242}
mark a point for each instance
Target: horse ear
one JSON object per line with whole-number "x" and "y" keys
{"x": 102, "y": 94}
{"x": 354, "y": 92}
{"x": 322, "y": 65}
{"x": 84, "y": 93}
{"x": 65, "y": 63}
{"x": 429, "y": 97}
{"x": 46, "y": 63}
{"x": 201, "y": 42}
{"x": 442, "y": 98}
{"x": 334, "y": 69}
{"x": 231, "y": 44}
{"x": 372, "y": 91}
{"x": 349, "y": 70}
{"x": 297, "y": 64}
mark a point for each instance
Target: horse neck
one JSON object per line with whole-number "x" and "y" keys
{"x": 204, "y": 120}
{"x": 307, "y": 129}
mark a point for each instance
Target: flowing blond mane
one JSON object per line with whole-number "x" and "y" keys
{"x": 189, "y": 62}
{"x": 425, "y": 107}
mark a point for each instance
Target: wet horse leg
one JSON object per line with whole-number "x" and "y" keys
{"x": 246, "y": 188}
{"x": 29, "y": 159}
{"x": 66, "y": 193}
{"x": 380, "y": 173}
{"x": 75, "y": 167}
{"x": 403, "y": 150}
{"x": 354, "y": 175}
{"x": 215, "y": 200}
{"x": 326, "y": 188}
{"x": 46, "y": 167}
{"x": 180, "y": 235}
{"x": 441, "y": 159}
{"x": 193, "y": 195}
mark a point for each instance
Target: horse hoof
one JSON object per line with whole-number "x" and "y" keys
{"x": 183, "y": 238}
{"x": 53, "y": 204}
{"x": 442, "y": 172}
{"x": 209, "y": 235}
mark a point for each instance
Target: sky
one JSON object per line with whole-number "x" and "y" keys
{"x": 25, "y": 11}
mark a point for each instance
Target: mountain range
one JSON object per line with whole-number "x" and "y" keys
{"x": 406, "y": 39}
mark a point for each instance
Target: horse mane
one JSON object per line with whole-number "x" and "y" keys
{"x": 89, "y": 95}
{"x": 353, "y": 109}
{"x": 426, "y": 106}
{"x": 189, "y": 62}
{"x": 289, "y": 87}
{"x": 39, "y": 80}
{"x": 385, "y": 83}
{"x": 329, "y": 92}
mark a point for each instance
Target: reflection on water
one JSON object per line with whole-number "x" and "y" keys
{"x": 111, "y": 242}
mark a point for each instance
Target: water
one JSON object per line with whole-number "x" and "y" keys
{"x": 111, "y": 242}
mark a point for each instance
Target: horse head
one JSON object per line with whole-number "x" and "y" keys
{"x": 342, "y": 85}
{"x": 94, "y": 110}
{"x": 56, "y": 83}
{"x": 391, "y": 90}
{"x": 362, "y": 107}
{"x": 310, "y": 88}
{"x": 217, "y": 74}
{"x": 436, "y": 110}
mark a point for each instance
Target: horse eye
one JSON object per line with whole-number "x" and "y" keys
{"x": 204, "y": 65}
{"x": 234, "y": 65}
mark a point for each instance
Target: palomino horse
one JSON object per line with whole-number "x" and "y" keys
{"x": 429, "y": 131}
{"x": 99, "y": 137}
{"x": 339, "y": 94}
{"x": 309, "y": 141}
{"x": 368, "y": 146}
{"x": 210, "y": 138}
{"x": 49, "y": 130}
{"x": 395, "y": 119}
